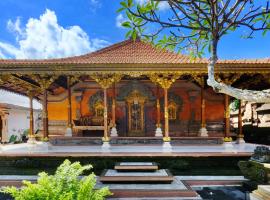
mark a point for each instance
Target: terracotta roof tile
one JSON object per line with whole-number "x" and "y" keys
{"x": 127, "y": 52}
{"x": 130, "y": 52}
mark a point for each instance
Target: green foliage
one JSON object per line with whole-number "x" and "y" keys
{"x": 26, "y": 132}
{"x": 64, "y": 185}
{"x": 235, "y": 104}
{"x": 13, "y": 138}
{"x": 254, "y": 171}
{"x": 191, "y": 26}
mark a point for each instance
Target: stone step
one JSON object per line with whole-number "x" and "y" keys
{"x": 158, "y": 176}
{"x": 174, "y": 190}
{"x": 136, "y": 166}
{"x": 147, "y": 194}
{"x": 64, "y": 141}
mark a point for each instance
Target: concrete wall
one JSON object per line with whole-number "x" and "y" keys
{"x": 18, "y": 121}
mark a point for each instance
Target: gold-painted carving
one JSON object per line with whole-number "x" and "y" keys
{"x": 164, "y": 80}
{"x": 105, "y": 81}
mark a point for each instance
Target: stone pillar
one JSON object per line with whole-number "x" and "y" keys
{"x": 240, "y": 136}
{"x": 69, "y": 123}
{"x": 45, "y": 114}
{"x": 5, "y": 136}
{"x": 226, "y": 116}
{"x": 114, "y": 130}
{"x": 203, "y": 130}
{"x": 31, "y": 137}
{"x": 158, "y": 125}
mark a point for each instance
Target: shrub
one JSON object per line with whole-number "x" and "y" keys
{"x": 13, "y": 138}
{"x": 254, "y": 171}
{"x": 65, "y": 184}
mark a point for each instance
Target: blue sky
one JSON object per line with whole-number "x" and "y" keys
{"x": 83, "y": 26}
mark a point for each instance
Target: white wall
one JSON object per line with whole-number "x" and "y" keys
{"x": 18, "y": 121}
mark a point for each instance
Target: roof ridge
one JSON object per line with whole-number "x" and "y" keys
{"x": 108, "y": 48}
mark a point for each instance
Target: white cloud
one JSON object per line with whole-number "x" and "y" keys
{"x": 119, "y": 20}
{"x": 45, "y": 38}
{"x": 163, "y": 5}
{"x": 94, "y": 4}
{"x": 15, "y": 27}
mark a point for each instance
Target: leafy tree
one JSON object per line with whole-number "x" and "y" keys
{"x": 197, "y": 25}
{"x": 64, "y": 185}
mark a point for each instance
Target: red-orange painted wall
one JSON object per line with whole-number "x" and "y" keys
{"x": 214, "y": 106}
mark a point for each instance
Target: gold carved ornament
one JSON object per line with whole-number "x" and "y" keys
{"x": 164, "y": 80}
{"x": 172, "y": 110}
{"x": 4, "y": 78}
{"x": 228, "y": 79}
{"x": 44, "y": 80}
{"x": 199, "y": 79}
{"x": 106, "y": 80}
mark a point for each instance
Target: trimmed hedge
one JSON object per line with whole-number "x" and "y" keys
{"x": 178, "y": 166}
{"x": 254, "y": 171}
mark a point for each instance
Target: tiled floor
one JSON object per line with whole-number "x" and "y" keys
{"x": 40, "y": 148}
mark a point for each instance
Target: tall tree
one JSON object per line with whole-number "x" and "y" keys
{"x": 194, "y": 25}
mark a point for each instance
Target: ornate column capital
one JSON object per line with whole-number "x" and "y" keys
{"x": 164, "y": 80}
{"x": 106, "y": 80}
{"x": 44, "y": 80}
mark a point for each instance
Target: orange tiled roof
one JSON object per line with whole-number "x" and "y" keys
{"x": 129, "y": 52}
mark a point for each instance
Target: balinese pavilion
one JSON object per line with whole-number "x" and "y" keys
{"x": 131, "y": 90}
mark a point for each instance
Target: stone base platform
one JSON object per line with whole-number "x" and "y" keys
{"x": 61, "y": 140}
{"x": 136, "y": 166}
{"x": 174, "y": 190}
{"x": 158, "y": 176}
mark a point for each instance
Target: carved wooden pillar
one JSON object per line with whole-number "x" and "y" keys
{"x": 105, "y": 81}
{"x": 69, "y": 108}
{"x": 240, "y": 136}
{"x": 158, "y": 108}
{"x": 31, "y": 137}
{"x": 114, "y": 130}
{"x": 113, "y": 106}
{"x": 44, "y": 81}
{"x": 69, "y": 103}
{"x": 45, "y": 114}
{"x": 129, "y": 116}
{"x": 165, "y": 81}
{"x": 105, "y": 115}
{"x": 227, "y": 115}
{"x": 158, "y": 125}
{"x": 200, "y": 80}
{"x": 203, "y": 130}
{"x": 166, "y": 114}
